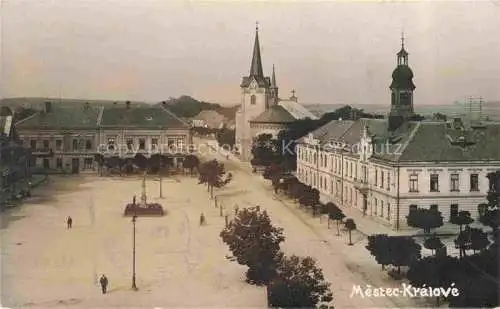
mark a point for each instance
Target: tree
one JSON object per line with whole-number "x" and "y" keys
{"x": 141, "y": 161}
{"x": 425, "y": 219}
{"x": 336, "y": 214}
{"x": 433, "y": 243}
{"x": 273, "y": 173}
{"x": 191, "y": 162}
{"x": 99, "y": 159}
{"x": 155, "y": 163}
{"x": 432, "y": 272}
{"x": 254, "y": 242}
{"x": 491, "y": 215}
{"x": 114, "y": 163}
{"x": 378, "y": 247}
{"x": 471, "y": 239}
{"x": 226, "y": 138}
{"x": 213, "y": 174}
{"x": 402, "y": 250}
{"x": 299, "y": 283}
{"x": 350, "y": 225}
{"x": 462, "y": 218}
{"x": 310, "y": 198}
{"x": 264, "y": 150}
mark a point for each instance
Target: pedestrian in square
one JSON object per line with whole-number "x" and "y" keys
{"x": 69, "y": 222}
{"x": 202, "y": 219}
{"x": 104, "y": 283}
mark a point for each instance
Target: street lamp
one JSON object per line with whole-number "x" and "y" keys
{"x": 134, "y": 286}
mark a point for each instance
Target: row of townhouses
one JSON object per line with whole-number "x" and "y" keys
{"x": 69, "y": 138}
{"x": 386, "y": 167}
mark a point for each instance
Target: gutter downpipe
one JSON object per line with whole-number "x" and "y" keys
{"x": 342, "y": 176}
{"x": 397, "y": 201}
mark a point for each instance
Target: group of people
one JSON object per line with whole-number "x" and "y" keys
{"x": 103, "y": 280}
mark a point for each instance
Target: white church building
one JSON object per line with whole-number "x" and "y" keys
{"x": 385, "y": 167}
{"x": 261, "y": 110}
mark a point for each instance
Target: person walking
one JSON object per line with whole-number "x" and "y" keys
{"x": 104, "y": 283}
{"x": 202, "y": 219}
{"x": 133, "y": 201}
{"x": 69, "y": 222}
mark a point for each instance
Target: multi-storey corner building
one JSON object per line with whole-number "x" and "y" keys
{"x": 69, "y": 138}
{"x": 385, "y": 167}
{"x": 124, "y": 131}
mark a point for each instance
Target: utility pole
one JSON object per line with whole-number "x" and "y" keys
{"x": 134, "y": 286}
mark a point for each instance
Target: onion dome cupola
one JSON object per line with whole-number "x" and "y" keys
{"x": 402, "y": 76}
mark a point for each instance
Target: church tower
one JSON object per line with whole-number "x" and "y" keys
{"x": 274, "y": 96}
{"x": 402, "y": 88}
{"x": 255, "y": 99}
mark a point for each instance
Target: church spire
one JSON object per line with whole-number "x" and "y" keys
{"x": 403, "y": 54}
{"x": 273, "y": 79}
{"x": 256, "y": 67}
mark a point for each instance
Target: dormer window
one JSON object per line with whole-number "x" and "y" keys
{"x": 253, "y": 100}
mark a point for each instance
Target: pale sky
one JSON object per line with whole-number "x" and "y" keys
{"x": 339, "y": 52}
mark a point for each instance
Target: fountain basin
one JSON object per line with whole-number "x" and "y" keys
{"x": 148, "y": 210}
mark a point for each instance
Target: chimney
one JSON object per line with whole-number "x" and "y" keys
{"x": 164, "y": 103}
{"x": 48, "y": 106}
{"x": 128, "y": 104}
{"x": 86, "y": 106}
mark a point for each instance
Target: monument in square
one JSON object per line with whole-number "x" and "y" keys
{"x": 143, "y": 208}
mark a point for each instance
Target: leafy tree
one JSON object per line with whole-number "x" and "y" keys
{"x": 433, "y": 243}
{"x": 471, "y": 239}
{"x": 191, "y": 162}
{"x": 310, "y": 198}
{"x": 299, "y": 283}
{"x": 141, "y": 161}
{"x": 226, "y": 138}
{"x": 425, "y": 219}
{"x": 254, "y": 242}
{"x": 273, "y": 173}
{"x": 350, "y": 225}
{"x": 491, "y": 216}
{"x": 476, "y": 292}
{"x": 335, "y": 214}
{"x": 213, "y": 174}
{"x": 114, "y": 163}
{"x": 432, "y": 272}
{"x": 99, "y": 159}
{"x": 462, "y": 218}
{"x": 298, "y": 190}
{"x": 155, "y": 163}
{"x": 378, "y": 247}
{"x": 402, "y": 250}
{"x": 264, "y": 150}
{"x": 439, "y": 117}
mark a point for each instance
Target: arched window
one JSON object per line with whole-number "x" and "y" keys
{"x": 253, "y": 99}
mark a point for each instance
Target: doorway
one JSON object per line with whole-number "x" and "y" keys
{"x": 75, "y": 165}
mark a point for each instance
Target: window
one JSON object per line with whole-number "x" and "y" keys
{"x": 382, "y": 179}
{"x": 381, "y": 209}
{"x": 453, "y": 210}
{"x": 111, "y": 143}
{"x": 75, "y": 144}
{"x": 59, "y": 163}
{"x": 434, "y": 207}
{"x": 58, "y": 144}
{"x": 388, "y": 211}
{"x": 253, "y": 100}
{"x": 33, "y": 144}
{"x": 88, "y": 163}
{"x": 376, "y": 206}
{"x": 388, "y": 181}
{"x": 154, "y": 142}
{"x": 376, "y": 177}
{"x": 331, "y": 187}
{"x": 474, "y": 182}
{"x": 46, "y": 163}
{"x": 351, "y": 170}
{"x": 413, "y": 185}
{"x": 454, "y": 183}
{"x": 130, "y": 144}
{"x": 434, "y": 183}
{"x": 350, "y": 196}
{"x": 413, "y": 207}
{"x": 88, "y": 144}
{"x": 45, "y": 144}
{"x": 142, "y": 144}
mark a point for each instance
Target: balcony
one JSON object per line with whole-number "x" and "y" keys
{"x": 42, "y": 152}
{"x": 361, "y": 185}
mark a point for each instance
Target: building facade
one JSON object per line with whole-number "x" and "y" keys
{"x": 68, "y": 139}
{"x": 385, "y": 167}
{"x": 261, "y": 110}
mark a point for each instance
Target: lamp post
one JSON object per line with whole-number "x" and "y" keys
{"x": 134, "y": 286}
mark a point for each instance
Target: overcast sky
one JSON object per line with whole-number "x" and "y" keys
{"x": 330, "y": 52}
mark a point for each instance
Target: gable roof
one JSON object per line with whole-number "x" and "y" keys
{"x": 274, "y": 114}
{"x": 141, "y": 117}
{"x": 298, "y": 111}
{"x": 423, "y": 141}
{"x": 62, "y": 118}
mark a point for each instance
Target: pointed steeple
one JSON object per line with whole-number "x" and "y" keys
{"x": 403, "y": 54}
{"x": 256, "y": 67}
{"x": 273, "y": 79}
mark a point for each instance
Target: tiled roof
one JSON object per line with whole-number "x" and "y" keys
{"x": 417, "y": 141}
{"x": 297, "y": 110}
{"x": 141, "y": 117}
{"x": 261, "y": 81}
{"x": 274, "y": 114}
{"x": 62, "y": 118}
